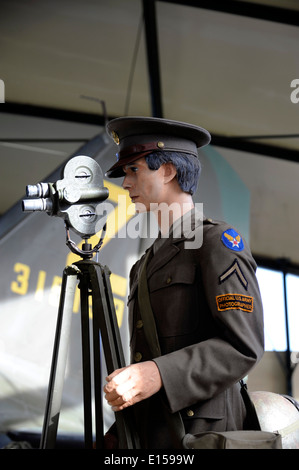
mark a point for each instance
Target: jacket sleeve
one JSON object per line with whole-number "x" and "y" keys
{"x": 199, "y": 372}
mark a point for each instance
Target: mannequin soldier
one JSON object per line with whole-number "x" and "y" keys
{"x": 205, "y": 299}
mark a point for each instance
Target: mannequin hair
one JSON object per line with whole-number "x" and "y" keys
{"x": 188, "y": 167}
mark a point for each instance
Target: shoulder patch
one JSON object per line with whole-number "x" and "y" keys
{"x": 235, "y": 268}
{"x": 232, "y": 240}
{"x": 234, "y": 302}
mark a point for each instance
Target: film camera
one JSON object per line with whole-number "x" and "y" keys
{"x": 74, "y": 198}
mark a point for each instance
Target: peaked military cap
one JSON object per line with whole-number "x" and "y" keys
{"x": 140, "y": 136}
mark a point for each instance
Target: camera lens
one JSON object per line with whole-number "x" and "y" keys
{"x": 30, "y": 205}
{"x": 37, "y": 190}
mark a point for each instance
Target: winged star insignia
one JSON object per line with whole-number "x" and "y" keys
{"x": 232, "y": 240}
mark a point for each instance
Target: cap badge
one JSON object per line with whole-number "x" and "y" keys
{"x": 115, "y": 137}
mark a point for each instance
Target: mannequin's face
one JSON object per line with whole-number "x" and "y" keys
{"x": 146, "y": 186}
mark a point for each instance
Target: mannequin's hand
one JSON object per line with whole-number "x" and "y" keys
{"x": 131, "y": 384}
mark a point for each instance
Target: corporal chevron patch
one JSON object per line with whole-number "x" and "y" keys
{"x": 234, "y": 269}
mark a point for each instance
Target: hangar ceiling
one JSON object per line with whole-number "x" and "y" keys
{"x": 227, "y": 66}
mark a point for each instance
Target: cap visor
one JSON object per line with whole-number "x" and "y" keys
{"x": 116, "y": 171}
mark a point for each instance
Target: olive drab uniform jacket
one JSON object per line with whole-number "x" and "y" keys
{"x": 208, "y": 314}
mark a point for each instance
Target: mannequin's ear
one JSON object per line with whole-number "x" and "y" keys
{"x": 169, "y": 172}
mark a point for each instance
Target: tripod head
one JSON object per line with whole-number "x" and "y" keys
{"x": 74, "y": 198}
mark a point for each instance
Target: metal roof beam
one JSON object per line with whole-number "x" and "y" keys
{"x": 152, "y": 47}
{"x": 248, "y": 9}
{"x": 274, "y": 151}
{"x": 232, "y": 142}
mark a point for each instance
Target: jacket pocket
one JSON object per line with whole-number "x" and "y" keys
{"x": 179, "y": 274}
{"x": 173, "y": 297}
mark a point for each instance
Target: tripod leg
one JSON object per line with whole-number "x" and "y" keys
{"x": 104, "y": 312}
{"x": 84, "y": 286}
{"x": 125, "y": 420}
{"x": 59, "y": 358}
{"x": 99, "y": 419}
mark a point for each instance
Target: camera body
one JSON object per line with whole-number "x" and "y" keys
{"x": 74, "y": 198}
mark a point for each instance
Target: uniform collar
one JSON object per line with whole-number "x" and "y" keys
{"x": 181, "y": 229}
{"x": 169, "y": 246}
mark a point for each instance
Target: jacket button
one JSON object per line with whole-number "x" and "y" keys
{"x": 137, "y": 356}
{"x": 139, "y": 324}
{"x": 190, "y": 413}
{"x": 168, "y": 281}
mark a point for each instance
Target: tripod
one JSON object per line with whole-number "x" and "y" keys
{"x": 94, "y": 280}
